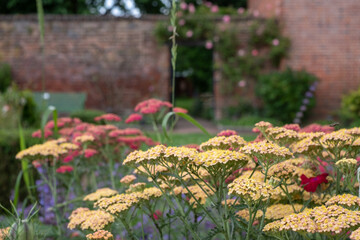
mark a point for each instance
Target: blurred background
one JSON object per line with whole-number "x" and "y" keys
{"x": 238, "y": 62}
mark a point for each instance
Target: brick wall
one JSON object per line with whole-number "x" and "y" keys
{"x": 325, "y": 37}
{"x": 116, "y": 61}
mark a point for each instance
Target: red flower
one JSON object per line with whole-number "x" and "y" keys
{"x": 157, "y": 214}
{"x": 310, "y": 184}
{"x": 180, "y": 110}
{"x": 133, "y": 118}
{"x": 108, "y": 117}
{"x": 37, "y": 134}
{"x": 89, "y": 152}
{"x": 64, "y": 169}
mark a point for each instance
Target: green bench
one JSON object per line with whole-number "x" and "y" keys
{"x": 65, "y": 102}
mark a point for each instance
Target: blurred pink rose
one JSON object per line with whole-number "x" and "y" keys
{"x": 214, "y": 8}
{"x": 275, "y": 42}
{"x": 183, "y": 5}
{"x": 241, "y": 10}
{"x": 191, "y": 8}
{"x": 226, "y": 18}
{"x": 189, "y": 34}
{"x": 254, "y": 52}
{"x": 208, "y": 44}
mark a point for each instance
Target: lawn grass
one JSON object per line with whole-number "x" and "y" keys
{"x": 180, "y": 139}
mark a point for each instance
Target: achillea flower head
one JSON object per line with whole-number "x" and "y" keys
{"x": 151, "y": 156}
{"x": 37, "y": 134}
{"x": 49, "y": 149}
{"x": 317, "y": 128}
{"x": 355, "y": 132}
{"x": 272, "y": 227}
{"x": 180, "y": 110}
{"x": 151, "y": 106}
{"x": 122, "y": 200}
{"x": 282, "y": 170}
{"x": 135, "y": 117}
{"x": 100, "y": 193}
{"x": 227, "y": 133}
{"x": 100, "y": 235}
{"x": 64, "y": 169}
{"x": 344, "y": 200}
{"x": 136, "y": 187}
{"x": 180, "y": 155}
{"x": 221, "y": 158}
{"x": 262, "y": 126}
{"x": 347, "y": 165}
{"x": 110, "y": 117}
{"x": 85, "y": 218}
{"x": 125, "y": 132}
{"x": 267, "y": 151}
{"x": 244, "y": 214}
{"x": 311, "y": 184}
{"x": 307, "y": 147}
{"x": 128, "y": 179}
{"x": 151, "y": 169}
{"x": 311, "y": 135}
{"x": 355, "y": 235}
{"x": 282, "y": 135}
{"x": 250, "y": 190}
{"x": 200, "y": 194}
{"x": 278, "y": 211}
{"x": 84, "y": 138}
{"x": 222, "y": 142}
{"x": 336, "y": 139}
{"x": 4, "y": 233}
{"x": 88, "y": 153}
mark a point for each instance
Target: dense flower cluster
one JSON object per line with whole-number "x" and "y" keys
{"x": 227, "y": 133}
{"x": 128, "y": 179}
{"x": 197, "y": 194}
{"x": 100, "y": 193}
{"x": 4, "y": 233}
{"x": 223, "y": 142}
{"x": 282, "y": 170}
{"x": 346, "y": 165}
{"x": 100, "y": 235}
{"x": 250, "y": 189}
{"x": 344, "y": 200}
{"x": 336, "y": 139}
{"x": 110, "y": 117}
{"x": 151, "y": 106}
{"x": 221, "y": 158}
{"x": 267, "y": 151}
{"x": 85, "y": 218}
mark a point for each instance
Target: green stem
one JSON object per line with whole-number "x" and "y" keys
{"x": 249, "y": 223}
{"x": 128, "y": 229}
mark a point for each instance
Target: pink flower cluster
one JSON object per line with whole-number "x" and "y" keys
{"x": 110, "y": 117}
{"x": 227, "y": 133}
{"x": 151, "y": 106}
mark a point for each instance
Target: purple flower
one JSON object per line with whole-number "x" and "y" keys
{"x": 303, "y": 108}
{"x": 309, "y": 94}
{"x": 306, "y": 101}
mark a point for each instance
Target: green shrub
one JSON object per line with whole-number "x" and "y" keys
{"x": 87, "y": 115}
{"x": 5, "y": 77}
{"x": 350, "y": 108}
{"x": 282, "y": 93}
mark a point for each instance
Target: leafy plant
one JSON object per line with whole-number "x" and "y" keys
{"x": 5, "y": 77}
{"x": 350, "y": 107}
{"x": 282, "y": 93}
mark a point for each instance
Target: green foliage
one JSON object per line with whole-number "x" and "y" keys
{"x": 350, "y": 107}
{"x": 5, "y": 77}
{"x": 87, "y": 115}
{"x": 9, "y": 168}
{"x": 282, "y": 93}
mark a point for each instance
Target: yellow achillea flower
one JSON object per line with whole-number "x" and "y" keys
{"x": 347, "y": 165}
{"x": 100, "y": 193}
{"x": 262, "y": 126}
{"x": 128, "y": 179}
{"x": 312, "y": 135}
{"x": 333, "y": 220}
{"x": 136, "y": 187}
{"x": 129, "y": 198}
{"x": 152, "y": 168}
{"x": 85, "y": 218}
{"x": 282, "y": 135}
{"x": 53, "y": 148}
{"x": 353, "y": 131}
{"x": 179, "y": 155}
{"x": 244, "y": 214}
{"x": 272, "y": 227}
{"x": 344, "y": 200}
{"x": 223, "y": 142}
{"x": 257, "y": 175}
{"x": 151, "y": 156}
{"x": 267, "y": 151}
{"x": 278, "y": 211}
{"x": 4, "y": 233}
{"x": 196, "y": 194}
{"x": 220, "y": 158}
{"x": 84, "y": 138}
{"x": 250, "y": 189}
{"x": 336, "y": 139}
{"x": 282, "y": 170}
{"x": 306, "y": 146}
{"x": 100, "y": 235}
{"x": 355, "y": 235}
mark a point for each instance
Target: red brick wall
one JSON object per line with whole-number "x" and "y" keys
{"x": 117, "y": 62}
{"x": 325, "y": 37}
